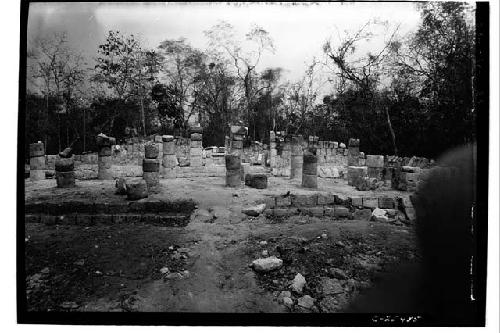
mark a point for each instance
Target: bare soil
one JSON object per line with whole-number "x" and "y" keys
{"x": 117, "y": 267}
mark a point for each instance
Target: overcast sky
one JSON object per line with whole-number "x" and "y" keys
{"x": 298, "y": 31}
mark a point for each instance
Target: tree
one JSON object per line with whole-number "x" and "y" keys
{"x": 127, "y": 69}
{"x": 363, "y": 73}
{"x": 437, "y": 66}
{"x": 245, "y": 57}
{"x": 183, "y": 67}
{"x": 218, "y": 98}
{"x": 59, "y": 73}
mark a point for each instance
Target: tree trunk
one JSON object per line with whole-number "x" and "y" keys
{"x": 143, "y": 118}
{"x": 393, "y": 136}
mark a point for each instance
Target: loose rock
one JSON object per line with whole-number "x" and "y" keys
{"x": 254, "y": 210}
{"x": 338, "y": 273}
{"x": 298, "y": 283}
{"x": 267, "y": 264}
{"x": 288, "y": 302}
{"x": 331, "y": 286}
{"x": 380, "y": 215}
{"x": 306, "y": 302}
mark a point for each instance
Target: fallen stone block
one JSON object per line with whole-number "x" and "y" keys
{"x": 258, "y": 181}
{"x": 363, "y": 214}
{"x": 137, "y": 190}
{"x": 254, "y": 210}
{"x": 267, "y": 264}
{"x": 379, "y": 215}
{"x": 341, "y": 211}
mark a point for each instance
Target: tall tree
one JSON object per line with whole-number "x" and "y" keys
{"x": 59, "y": 73}
{"x": 183, "y": 67}
{"x": 245, "y": 57}
{"x": 127, "y": 69}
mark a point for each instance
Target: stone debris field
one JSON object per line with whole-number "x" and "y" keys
{"x": 165, "y": 225}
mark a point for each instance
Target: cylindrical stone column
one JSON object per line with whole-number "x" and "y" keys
{"x": 169, "y": 158}
{"x": 151, "y": 172}
{"x": 310, "y": 171}
{"x": 65, "y": 174}
{"x": 296, "y": 158}
{"x": 37, "y": 161}
{"x": 104, "y": 158}
{"x": 195, "y": 150}
{"x": 233, "y": 170}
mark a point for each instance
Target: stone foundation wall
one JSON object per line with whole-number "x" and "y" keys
{"x": 338, "y": 207}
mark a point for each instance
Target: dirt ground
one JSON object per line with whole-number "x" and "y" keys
{"x": 204, "y": 267}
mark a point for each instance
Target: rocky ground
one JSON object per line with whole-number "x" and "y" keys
{"x": 321, "y": 264}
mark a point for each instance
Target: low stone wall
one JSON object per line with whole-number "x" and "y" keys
{"x": 168, "y": 213}
{"x": 338, "y": 207}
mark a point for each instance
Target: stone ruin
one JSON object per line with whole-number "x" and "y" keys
{"x": 286, "y": 156}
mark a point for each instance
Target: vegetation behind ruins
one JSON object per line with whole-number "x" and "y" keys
{"x": 412, "y": 96}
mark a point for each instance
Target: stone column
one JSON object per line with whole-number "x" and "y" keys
{"x": 353, "y": 152}
{"x": 104, "y": 158}
{"x": 237, "y": 141}
{"x": 296, "y": 158}
{"x": 169, "y": 159}
{"x": 375, "y": 164}
{"x": 273, "y": 152}
{"x": 310, "y": 170}
{"x": 196, "y": 147}
{"x": 65, "y": 174}
{"x": 37, "y": 161}
{"x": 151, "y": 165}
{"x": 233, "y": 170}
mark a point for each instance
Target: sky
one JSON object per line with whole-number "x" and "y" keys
{"x": 298, "y": 31}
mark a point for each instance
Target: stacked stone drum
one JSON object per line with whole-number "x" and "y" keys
{"x": 196, "y": 147}
{"x": 37, "y": 161}
{"x": 296, "y": 158}
{"x": 310, "y": 170}
{"x": 151, "y": 165}
{"x": 65, "y": 174}
{"x": 233, "y": 170}
{"x": 104, "y": 158}
{"x": 169, "y": 159}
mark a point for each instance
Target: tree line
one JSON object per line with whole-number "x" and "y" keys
{"x": 414, "y": 95}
